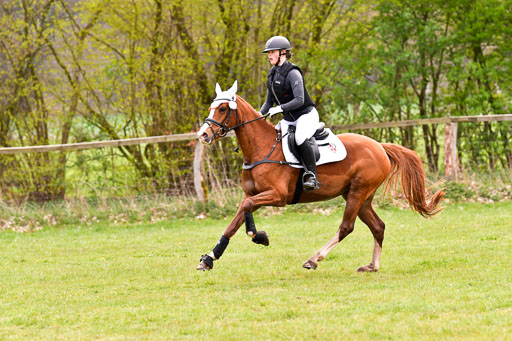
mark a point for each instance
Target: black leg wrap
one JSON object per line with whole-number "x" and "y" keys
{"x": 249, "y": 223}
{"x": 261, "y": 238}
{"x": 218, "y": 250}
{"x": 207, "y": 260}
{"x": 250, "y": 228}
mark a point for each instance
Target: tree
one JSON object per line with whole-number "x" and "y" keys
{"x": 25, "y": 114}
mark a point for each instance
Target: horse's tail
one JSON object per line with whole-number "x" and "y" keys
{"x": 412, "y": 179}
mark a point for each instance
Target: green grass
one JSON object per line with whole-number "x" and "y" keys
{"x": 443, "y": 278}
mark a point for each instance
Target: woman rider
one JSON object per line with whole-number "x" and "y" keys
{"x": 286, "y": 90}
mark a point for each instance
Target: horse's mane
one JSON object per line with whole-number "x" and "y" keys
{"x": 253, "y": 111}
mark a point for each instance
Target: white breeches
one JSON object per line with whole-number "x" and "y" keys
{"x": 305, "y": 126}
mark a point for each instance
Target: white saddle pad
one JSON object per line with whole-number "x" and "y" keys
{"x": 331, "y": 150}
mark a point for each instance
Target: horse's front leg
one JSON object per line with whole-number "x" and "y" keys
{"x": 248, "y": 205}
{"x": 206, "y": 262}
{"x": 267, "y": 198}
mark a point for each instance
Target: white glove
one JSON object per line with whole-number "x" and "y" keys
{"x": 275, "y": 110}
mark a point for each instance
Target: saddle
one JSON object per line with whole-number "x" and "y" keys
{"x": 319, "y": 135}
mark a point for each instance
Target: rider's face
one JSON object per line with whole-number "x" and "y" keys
{"x": 273, "y": 56}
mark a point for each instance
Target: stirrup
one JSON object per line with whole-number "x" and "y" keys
{"x": 312, "y": 182}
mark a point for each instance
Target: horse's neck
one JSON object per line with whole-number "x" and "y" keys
{"x": 256, "y": 138}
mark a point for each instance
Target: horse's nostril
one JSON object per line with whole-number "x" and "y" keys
{"x": 204, "y": 138}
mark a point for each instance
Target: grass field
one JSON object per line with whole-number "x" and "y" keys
{"x": 443, "y": 278}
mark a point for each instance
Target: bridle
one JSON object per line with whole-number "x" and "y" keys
{"x": 224, "y": 129}
{"x": 223, "y": 126}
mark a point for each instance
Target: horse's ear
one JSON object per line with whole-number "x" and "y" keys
{"x": 218, "y": 90}
{"x": 233, "y": 89}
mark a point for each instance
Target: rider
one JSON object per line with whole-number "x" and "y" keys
{"x": 286, "y": 89}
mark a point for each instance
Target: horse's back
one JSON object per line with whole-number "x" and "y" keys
{"x": 357, "y": 138}
{"x": 365, "y": 155}
{"x": 366, "y": 166}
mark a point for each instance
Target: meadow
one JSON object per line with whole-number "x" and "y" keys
{"x": 442, "y": 278}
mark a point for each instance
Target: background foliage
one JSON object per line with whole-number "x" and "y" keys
{"x": 75, "y": 71}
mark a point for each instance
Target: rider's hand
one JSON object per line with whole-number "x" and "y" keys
{"x": 275, "y": 110}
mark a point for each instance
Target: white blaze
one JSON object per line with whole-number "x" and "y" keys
{"x": 205, "y": 126}
{"x": 228, "y": 96}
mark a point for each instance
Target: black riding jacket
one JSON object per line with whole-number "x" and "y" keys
{"x": 279, "y": 86}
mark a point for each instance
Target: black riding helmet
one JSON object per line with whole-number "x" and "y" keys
{"x": 277, "y": 43}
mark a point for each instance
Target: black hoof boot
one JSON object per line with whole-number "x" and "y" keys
{"x": 261, "y": 238}
{"x": 206, "y": 263}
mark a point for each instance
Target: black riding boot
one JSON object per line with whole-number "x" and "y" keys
{"x": 309, "y": 181}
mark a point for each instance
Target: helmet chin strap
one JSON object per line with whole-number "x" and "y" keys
{"x": 279, "y": 58}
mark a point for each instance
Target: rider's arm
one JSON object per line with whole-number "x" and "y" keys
{"x": 297, "y": 82}
{"x": 269, "y": 102}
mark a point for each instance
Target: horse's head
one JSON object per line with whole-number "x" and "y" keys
{"x": 222, "y": 116}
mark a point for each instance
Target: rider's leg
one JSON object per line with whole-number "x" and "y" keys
{"x": 306, "y": 127}
{"x": 284, "y": 126}
{"x": 309, "y": 181}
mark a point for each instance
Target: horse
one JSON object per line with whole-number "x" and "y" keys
{"x": 268, "y": 180}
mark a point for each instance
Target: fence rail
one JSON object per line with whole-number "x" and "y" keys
{"x": 97, "y": 144}
{"x": 450, "y": 145}
{"x": 192, "y": 136}
{"x": 425, "y": 121}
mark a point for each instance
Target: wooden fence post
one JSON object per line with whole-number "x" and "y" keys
{"x": 198, "y": 171}
{"x": 450, "y": 151}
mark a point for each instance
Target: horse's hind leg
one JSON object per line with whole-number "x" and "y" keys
{"x": 354, "y": 201}
{"x": 377, "y": 226}
{"x": 312, "y": 262}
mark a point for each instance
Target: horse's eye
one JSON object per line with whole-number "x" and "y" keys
{"x": 223, "y": 109}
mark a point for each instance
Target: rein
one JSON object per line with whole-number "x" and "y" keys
{"x": 279, "y": 138}
{"x": 224, "y": 129}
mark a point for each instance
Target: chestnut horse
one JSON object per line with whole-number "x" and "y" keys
{"x": 273, "y": 183}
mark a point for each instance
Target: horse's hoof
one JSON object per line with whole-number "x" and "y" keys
{"x": 310, "y": 265}
{"x": 205, "y": 263}
{"x": 203, "y": 266}
{"x": 261, "y": 238}
{"x": 367, "y": 268}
